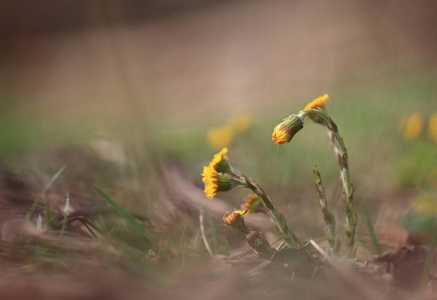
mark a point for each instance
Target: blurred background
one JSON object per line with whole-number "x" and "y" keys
{"x": 136, "y": 96}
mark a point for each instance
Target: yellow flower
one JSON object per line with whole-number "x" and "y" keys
{"x": 284, "y": 132}
{"x": 318, "y": 102}
{"x": 230, "y": 218}
{"x": 432, "y": 127}
{"x": 413, "y": 126}
{"x": 280, "y": 136}
{"x": 240, "y": 123}
{"x": 215, "y": 181}
{"x": 211, "y": 180}
{"x": 220, "y": 137}
{"x": 236, "y": 220}
{"x": 253, "y": 204}
{"x": 220, "y": 161}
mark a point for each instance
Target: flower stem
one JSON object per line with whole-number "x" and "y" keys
{"x": 342, "y": 158}
{"x": 281, "y": 226}
{"x": 327, "y": 214}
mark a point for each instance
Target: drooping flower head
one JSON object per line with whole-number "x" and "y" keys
{"x": 236, "y": 220}
{"x": 215, "y": 175}
{"x": 284, "y": 132}
{"x": 319, "y": 102}
{"x": 253, "y": 204}
{"x": 215, "y": 182}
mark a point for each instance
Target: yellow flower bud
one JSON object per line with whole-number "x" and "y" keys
{"x": 284, "y": 132}
{"x": 253, "y": 204}
{"x": 236, "y": 220}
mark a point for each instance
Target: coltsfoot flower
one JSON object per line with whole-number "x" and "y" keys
{"x": 413, "y": 126}
{"x": 215, "y": 182}
{"x": 219, "y": 137}
{"x": 236, "y": 220}
{"x": 253, "y": 204}
{"x": 317, "y": 103}
{"x": 284, "y": 132}
{"x": 220, "y": 161}
{"x": 241, "y": 122}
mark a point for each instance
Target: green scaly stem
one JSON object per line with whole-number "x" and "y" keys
{"x": 327, "y": 214}
{"x": 281, "y": 226}
{"x": 342, "y": 158}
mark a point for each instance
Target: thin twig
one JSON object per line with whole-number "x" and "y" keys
{"x": 320, "y": 250}
{"x": 202, "y": 231}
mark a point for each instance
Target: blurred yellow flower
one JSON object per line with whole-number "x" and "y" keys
{"x": 432, "y": 127}
{"x": 424, "y": 205}
{"x": 241, "y": 122}
{"x": 220, "y": 137}
{"x": 318, "y": 102}
{"x": 413, "y": 126}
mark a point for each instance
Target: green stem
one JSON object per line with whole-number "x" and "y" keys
{"x": 342, "y": 158}
{"x": 327, "y": 214}
{"x": 281, "y": 226}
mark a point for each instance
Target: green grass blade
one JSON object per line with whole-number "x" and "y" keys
{"x": 48, "y": 212}
{"x": 178, "y": 254}
{"x": 425, "y": 274}
{"x": 365, "y": 250}
{"x": 370, "y": 228}
{"x": 161, "y": 236}
{"x": 131, "y": 220}
{"x": 45, "y": 190}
